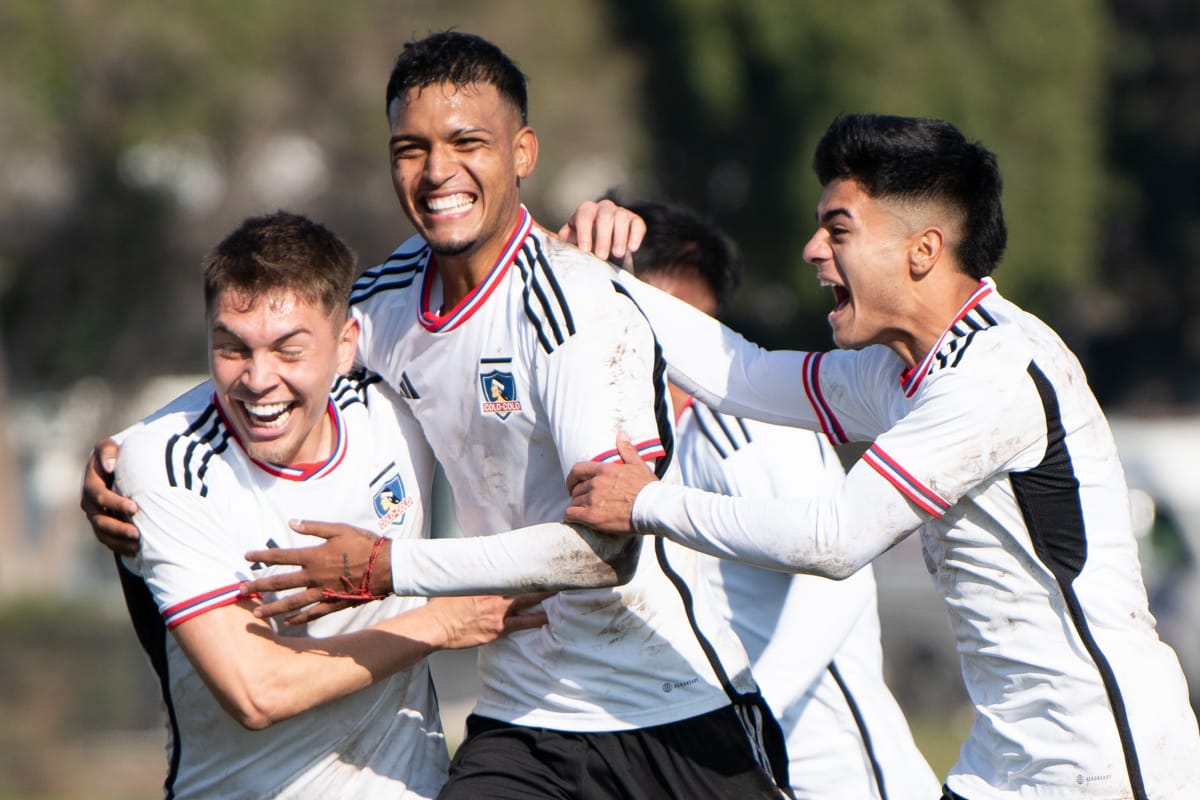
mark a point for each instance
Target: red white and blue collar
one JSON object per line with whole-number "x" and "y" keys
{"x": 440, "y": 323}
{"x": 910, "y": 380}
{"x": 300, "y": 472}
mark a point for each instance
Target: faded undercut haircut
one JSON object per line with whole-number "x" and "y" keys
{"x": 460, "y": 59}
{"x": 679, "y": 239}
{"x": 921, "y": 160}
{"x": 281, "y": 252}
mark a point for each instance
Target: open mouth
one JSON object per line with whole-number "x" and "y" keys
{"x": 841, "y": 295}
{"x": 841, "y": 298}
{"x": 267, "y": 415}
{"x": 449, "y": 204}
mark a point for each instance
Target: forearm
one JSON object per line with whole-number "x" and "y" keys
{"x": 540, "y": 558}
{"x": 260, "y": 678}
{"x": 832, "y": 535}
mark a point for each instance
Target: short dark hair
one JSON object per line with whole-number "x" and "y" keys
{"x": 281, "y": 252}
{"x": 679, "y": 239}
{"x": 911, "y": 158}
{"x": 460, "y": 59}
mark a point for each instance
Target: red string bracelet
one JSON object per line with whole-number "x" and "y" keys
{"x": 361, "y": 593}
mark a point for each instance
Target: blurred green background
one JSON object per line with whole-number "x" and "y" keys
{"x": 134, "y": 134}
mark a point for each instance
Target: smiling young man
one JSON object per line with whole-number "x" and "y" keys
{"x": 221, "y": 470}
{"x": 519, "y": 357}
{"x": 986, "y": 439}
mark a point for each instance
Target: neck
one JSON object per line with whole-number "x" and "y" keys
{"x": 460, "y": 274}
{"x": 932, "y": 313}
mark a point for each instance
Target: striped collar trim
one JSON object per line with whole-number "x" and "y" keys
{"x": 300, "y": 472}
{"x": 910, "y": 380}
{"x": 438, "y": 323}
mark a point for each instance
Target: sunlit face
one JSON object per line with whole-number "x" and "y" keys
{"x": 457, "y": 154}
{"x": 272, "y": 366}
{"x": 860, "y": 250}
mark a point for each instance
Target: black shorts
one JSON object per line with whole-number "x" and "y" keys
{"x": 736, "y": 752}
{"x": 949, "y": 795}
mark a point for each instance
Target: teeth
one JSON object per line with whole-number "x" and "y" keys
{"x": 268, "y": 415}
{"x": 454, "y": 202}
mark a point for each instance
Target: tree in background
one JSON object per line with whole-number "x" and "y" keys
{"x": 133, "y": 135}
{"x": 1147, "y": 347}
{"x": 737, "y": 93}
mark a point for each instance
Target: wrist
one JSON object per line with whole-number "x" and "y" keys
{"x": 381, "y": 570}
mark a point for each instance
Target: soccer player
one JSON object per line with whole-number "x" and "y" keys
{"x": 814, "y": 642}
{"x": 519, "y": 356}
{"x": 350, "y": 706}
{"x": 986, "y": 439}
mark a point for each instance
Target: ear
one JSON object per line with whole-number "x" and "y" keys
{"x": 347, "y": 345}
{"x": 925, "y": 250}
{"x": 525, "y": 149}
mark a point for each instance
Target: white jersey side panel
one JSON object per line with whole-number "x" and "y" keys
{"x": 536, "y": 370}
{"x": 1006, "y": 464}
{"x": 202, "y": 504}
{"x": 813, "y": 642}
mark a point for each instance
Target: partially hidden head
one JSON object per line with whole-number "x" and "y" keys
{"x": 460, "y": 142}
{"x": 277, "y": 298}
{"x": 686, "y": 254}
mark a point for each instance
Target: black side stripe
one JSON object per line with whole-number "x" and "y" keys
{"x": 862, "y": 730}
{"x": 152, "y": 635}
{"x": 689, "y": 607}
{"x": 1048, "y": 496}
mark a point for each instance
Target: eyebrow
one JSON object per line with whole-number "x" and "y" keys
{"x": 408, "y": 137}
{"x": 834, "y": 212}
{"x": 219, "y": 328}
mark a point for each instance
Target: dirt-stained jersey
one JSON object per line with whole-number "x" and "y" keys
{"x": 996, "y": 450}
{"x": 813, "y": 642}
{"x": 202, "y": 504}
{"x": 538, "y": 368}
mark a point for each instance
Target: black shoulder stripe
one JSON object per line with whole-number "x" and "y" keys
{"x": 545, "y": 304}
{"x": 717, "y": 429}
{"x": 398, "y": 272}
{"x": 375, "y": 288}
{"x": 203, "y": 439}
{"x": 544, "y": 262}
{"x": 351, "y": 388}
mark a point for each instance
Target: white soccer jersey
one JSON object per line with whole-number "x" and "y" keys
{"x": 995, "y": 448}
{"x": 813, "y": 642}
{"x": 535, "y": 370}
{"x": 202, "y": 504}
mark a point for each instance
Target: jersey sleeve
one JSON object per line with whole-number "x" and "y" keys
{"x": 788, "y": 387}
{"x": 602, "y": 381}
{"x": 188, "y": 557}
{"x": 961, "y": 433}
{"x": 832, "y": 534}
{"x": 781, "y": 462}
{"x": 548, "y": 557}
{"x": 964, "y": 428}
